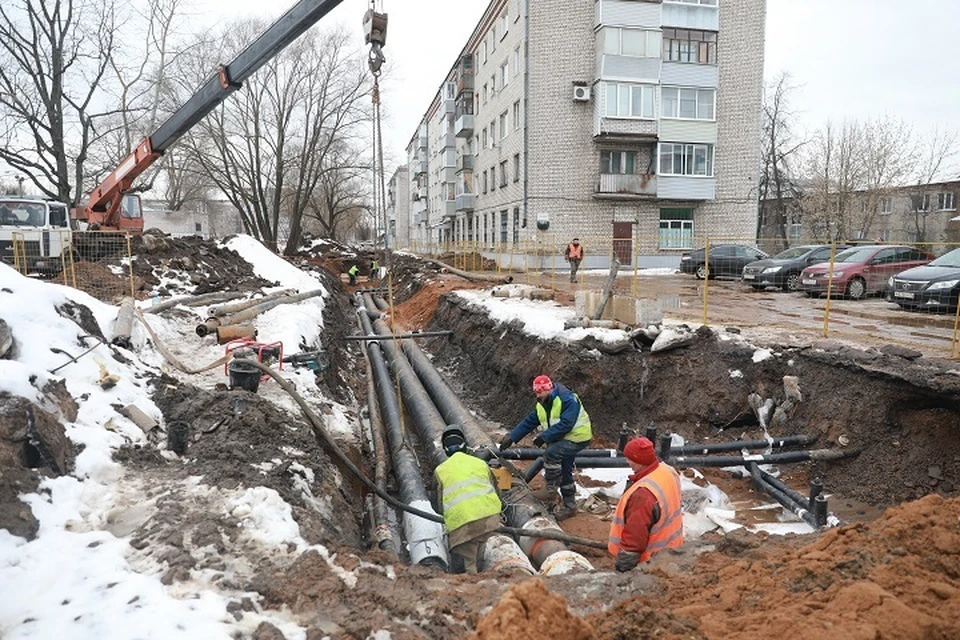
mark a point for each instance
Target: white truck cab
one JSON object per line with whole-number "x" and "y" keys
{"x": 35, "y": 233}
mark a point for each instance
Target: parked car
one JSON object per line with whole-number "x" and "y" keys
{"x": 934, "y": 286}
{"x": 783, "y": 269}
{"x": 861, "y": 271}
{"x": 725, "y": 260}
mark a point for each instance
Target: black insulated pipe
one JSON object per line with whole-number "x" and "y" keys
{"x": 820, "y": 510}
{"x": 405, "y": 466}
{"x": 785, "y": 501}
{"x": 663, "y": 451}
{"x": 651, "y": 433}
{"x": 816, "y": 488}
{"x": 796, "y": 496}
{"x": 767, "y": 458}
{"x": 739, "y": 445}
{"x": 624, "y": 437}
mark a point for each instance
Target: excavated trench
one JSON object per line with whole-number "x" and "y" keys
{"x": 901, "y": 411}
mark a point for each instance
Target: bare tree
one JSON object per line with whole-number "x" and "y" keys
{"x": 342, "y": 193}
{"x": 888, "y": 157}
{"x": 53, "y": 56}
{"x": 779, "y": 189}
{"x": 934, "y": 162}
{"x": 836, "y": 169}
{"x": 269, "y": 146}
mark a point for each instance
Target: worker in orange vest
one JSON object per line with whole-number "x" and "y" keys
{"x": 574, "y": 254}
{"x": 648, "y": 518}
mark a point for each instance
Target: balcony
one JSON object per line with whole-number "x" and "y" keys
{"x": 448, "y": 106}
{"x": 419, "y": 167}
{"x": 614, "y": 185}
{"x": 465, "y": 163}
{"x": 420, "y": 193}
{"x": 464, "y": 126}
{"x": 465, "y": 82}
{"x": 449, "y": 208}
{"x": 465, "y": 202}
{"x": 449, "y": 141}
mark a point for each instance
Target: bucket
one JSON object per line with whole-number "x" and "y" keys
{"x": 243, "y": 375}
{"x": 178, "y": 436}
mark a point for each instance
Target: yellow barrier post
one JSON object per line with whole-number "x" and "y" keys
{"x": 826, "y": 307}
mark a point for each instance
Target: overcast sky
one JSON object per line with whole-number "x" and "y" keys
{"x": 850, "y": 59}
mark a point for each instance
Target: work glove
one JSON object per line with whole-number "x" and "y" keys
{"x": 505, "y": 443}
{"x": 539, "y": 441}
{"x": 626, "y": 560}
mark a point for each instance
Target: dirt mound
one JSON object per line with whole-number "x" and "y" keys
{"x": 529, "y": 610}
{"x": 898, "y": 577}
{"x": 191, "y": 265}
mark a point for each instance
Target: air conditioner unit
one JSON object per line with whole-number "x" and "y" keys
{"x": 581, "y": 93}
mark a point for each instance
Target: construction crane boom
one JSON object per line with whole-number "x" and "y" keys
{"x": 103, "y": 207}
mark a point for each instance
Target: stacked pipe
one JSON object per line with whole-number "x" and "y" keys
{"x": 433, "y": 405}
{"x": 424, "y": 538}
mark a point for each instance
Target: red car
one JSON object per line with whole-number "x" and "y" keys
{"x": 860, "y": 271}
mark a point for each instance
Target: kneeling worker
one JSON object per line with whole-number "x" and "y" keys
{"x": 467, "y": 495}
{"x": 648, "y": 518}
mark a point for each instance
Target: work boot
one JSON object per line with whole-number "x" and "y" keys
{"x": 567, "y": 509}
{"x": 548, "y": 496}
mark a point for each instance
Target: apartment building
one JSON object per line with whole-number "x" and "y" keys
{"x": 398, "y": 208}
{"x": 627, "y": 119}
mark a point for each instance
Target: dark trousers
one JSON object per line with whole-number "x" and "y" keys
{"x": 574, "y": 265}
{"x": 558, "y": 462}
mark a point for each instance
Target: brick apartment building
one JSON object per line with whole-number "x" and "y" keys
{"x": 628, "y": 119}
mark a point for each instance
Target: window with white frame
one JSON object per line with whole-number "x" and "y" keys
{"x": 621, "y": 162}
{"x": 504, "y": 22}
{"x": 504, "y": 74}
{"x": 516, "y": 10}
{"x": 516, "y": 115}
{"x": 483, "y": 51}
{"x": 921, "y": 202}
{"x": 493, "y": 134}
{"x": 945, "y": 201}
{"x": 516, "y": 167}
{"x": 629, "y": 100}
{"x": 684, "y": 159}
{"x": 503, "y": 174}
{"x": 483, "y": 135}
{"x": 504, "y": 222}
{"x": 676, "y": 228}
{"x": 794, "y": 231}
{"x": 483, "y": 181}
{"x": 504, "y": 125}
{"x": 638, "y": 43}
{"x": 886, "y": 204}
{"x": 493, "y": 38}
{"x": 687, "y": 103}
{"x": 689, "y": 45}
{"x": 516, "y": 61}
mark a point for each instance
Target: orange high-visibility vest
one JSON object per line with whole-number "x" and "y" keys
{"x": 667, "y": 532}
{"x": 575, "y": 251}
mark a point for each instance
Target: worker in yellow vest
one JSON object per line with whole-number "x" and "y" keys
{"x": 648, "y": 518}
{"x": 564, "y": 426}
{"x": 352, "y": 272}
{"x": 467, "y": 495}
{"x": 574, "y": 255}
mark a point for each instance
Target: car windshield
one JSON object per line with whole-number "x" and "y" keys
{"x": 21, "y": 214}
{"x": 793, "y": 252}
{"x": 855, "y": 255}
{"x": 949, "y": 259}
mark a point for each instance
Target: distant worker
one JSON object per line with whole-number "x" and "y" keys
{"x": 374, "y": 270}
{"x": 467, "y": 495}
{"x": 574, "y": 255}
{"x": 564, "y": 426}
{"x": 352, "y": 272}
{"x": 648, "y": 518}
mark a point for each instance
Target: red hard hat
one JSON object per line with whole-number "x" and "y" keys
{"x": 542, "y": 384}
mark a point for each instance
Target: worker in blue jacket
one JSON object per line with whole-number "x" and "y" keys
{"x": 564, "y": 426}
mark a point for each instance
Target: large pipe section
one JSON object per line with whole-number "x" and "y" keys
{"x": 424, "y": 538}
{"x": 785, "y": 500}
{"x": 445, "y": 400}
{"x": 767, "y": 458}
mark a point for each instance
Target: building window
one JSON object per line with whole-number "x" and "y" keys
{"x": 483, "y": 136}
{"x": 794, "y": 231}
{"x": 516, "y": 167}
{"x": 493, "y": 179}
{"x": 484, "y": 94}
{"x": 516, "y": 115}
{"x": 885, "y": 205}
{"x": 504, "y": 219}
{"x": 504, "y": 24}
{"x": 493, "y": 38}
{"x": 945, "y": 202}
{"x": 921, "y": 202}
{"x": 504, "y": 74}
{"x": 483, "y": 181}
{"x": 676, "y": 228}
{"x": 493, "y": 133}
{"x": 638, "y": 43}
{"x": 483, "y": 51}
{"x": 678, "y": 159}
{"x": 691, "y": 104}
{"x": 516, "y": 225}
{"x": 516, "y": 61}
{"x": 629, "y": 100}
{"x": 504, "y": 125}
{"x": 199, "y": 227}
{"x": 689, "y": 45}
{"x": 503, "y": 174}
{"x": 618, "y": 162}
{"x": 493, "y": 85}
